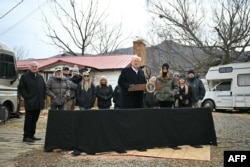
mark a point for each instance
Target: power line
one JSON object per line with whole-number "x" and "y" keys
{"x": 11, "y": 9}
{"x": 24, "y": 18}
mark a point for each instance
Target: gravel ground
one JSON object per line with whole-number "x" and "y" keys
{"x": 232, "y": 130}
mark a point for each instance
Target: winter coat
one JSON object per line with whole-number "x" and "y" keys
{"x": 58, "y": 89}
{"x": 76, "y": 79}
{"x": 72, "y": 92}
{"x": 168, "y": 91}
{"x": 117, "y": 96}
{"x": 33, "y": 89}
{"x": 128, "y": 77}
{"x": 85, "y": 98}
{"x": 185, "y": 93}
{"x": 73, "y": 83}
{"x": 104, "y": 95}
{"x": 198, "y": 89}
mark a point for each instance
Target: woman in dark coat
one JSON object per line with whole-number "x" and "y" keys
{"x": 85, "y": 94}
{"x": 183, "y": 96}
{"x": 104, "y": 94}
{"x": 128, "y": 78}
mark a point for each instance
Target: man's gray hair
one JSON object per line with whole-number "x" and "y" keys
{"x": 33, "y": 62}
{"x": 135, "y": 57}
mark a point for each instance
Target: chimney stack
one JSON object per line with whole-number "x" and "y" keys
{"x": 139, "y": 48}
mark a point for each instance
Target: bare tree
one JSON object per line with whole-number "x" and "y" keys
{"x": 221, "y": 39}
{"x": 82, "y": 28}
{"x": 108, "y": 38}
{"x": 21, "y": 53}
{"x": 232, "y": 28}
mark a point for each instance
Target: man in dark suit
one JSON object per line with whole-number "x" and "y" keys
{"x": 33, "y": 89}
{"x": 128, "y": 78}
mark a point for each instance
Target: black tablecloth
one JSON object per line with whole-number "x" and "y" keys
{"x": 111, "y": 130}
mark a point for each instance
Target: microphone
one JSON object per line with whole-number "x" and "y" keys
{"x": 147, "y": 70}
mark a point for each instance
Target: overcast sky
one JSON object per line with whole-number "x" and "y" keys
{"x": 23, "y": 26}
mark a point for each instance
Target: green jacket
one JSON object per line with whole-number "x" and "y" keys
{"x": 168, "y": 91}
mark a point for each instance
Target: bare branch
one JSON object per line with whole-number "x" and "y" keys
{"x": 79, "y": 27}
{"x": 21, "y": 53}
{"x": 221, "y": 40}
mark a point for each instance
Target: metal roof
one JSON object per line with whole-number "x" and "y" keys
{"x": 98, "y": 62}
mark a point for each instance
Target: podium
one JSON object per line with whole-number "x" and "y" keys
{"x": 149, "y": 87}
{"x": 137, "y": 87}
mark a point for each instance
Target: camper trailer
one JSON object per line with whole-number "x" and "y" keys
{"x": 228, "y": 87}
{"x": 8, "y": 83}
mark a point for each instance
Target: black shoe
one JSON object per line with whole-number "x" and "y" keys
{"x": 35, "y": 138}
{"x": 90, "y": 153}
{"x": 76, "y": 153}
{"x": 175, "y": 147}
{"x": 28, "y": 140}
{"x": 196, "y": 146}
{"x": 121, "y": 151}
{"x": 142, "y": 150}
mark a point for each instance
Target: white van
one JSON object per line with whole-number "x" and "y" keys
{"x": 228, "y": 87}
{"x": 8, "y": 82}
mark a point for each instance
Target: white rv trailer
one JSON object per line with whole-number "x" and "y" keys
{"x": 228, "y": 87}
{"x": 8, "y": 82}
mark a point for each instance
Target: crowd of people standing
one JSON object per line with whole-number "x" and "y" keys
{"x": 68, "y": 89}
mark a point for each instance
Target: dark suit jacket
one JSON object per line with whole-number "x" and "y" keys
{"x": 33, "y": 89}
{"x": 129, "y": 77}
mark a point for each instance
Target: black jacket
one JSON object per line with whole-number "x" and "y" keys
{"x": 85, "y": 98}
{"x": 76, "y": 79}
{"x": 186, "y": 97}
{"x": 33, "y": 89}
{"x": 117, "y": 96}
{"x": 198, "y": 89}
{"x": 74, "y": 82}
{"x": 127, "y": 78}
{"x": 104, "y": 95}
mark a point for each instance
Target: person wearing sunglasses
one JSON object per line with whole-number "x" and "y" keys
{"x": 85, "y": 94}
{"x": 176, "y": 75}
{"x": 66, "y": 72}
{"x": 165, "y": 96}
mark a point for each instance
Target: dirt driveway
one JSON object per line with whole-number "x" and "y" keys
{"x": 232, "y": 133}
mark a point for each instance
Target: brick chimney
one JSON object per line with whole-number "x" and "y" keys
{"x": 139, "y": 48}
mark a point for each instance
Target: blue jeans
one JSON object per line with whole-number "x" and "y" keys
{"x": 56, "y": 107}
